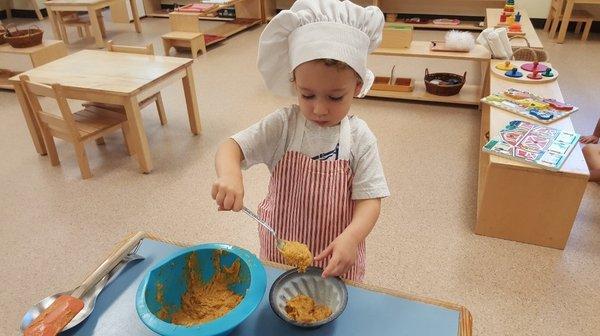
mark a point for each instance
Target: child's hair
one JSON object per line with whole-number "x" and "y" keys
{"x": 339, "y": 65}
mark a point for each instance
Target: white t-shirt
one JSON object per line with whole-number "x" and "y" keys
{"x": 268, "y": 140}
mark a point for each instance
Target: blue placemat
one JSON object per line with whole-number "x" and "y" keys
{"x": 367, "y": 313}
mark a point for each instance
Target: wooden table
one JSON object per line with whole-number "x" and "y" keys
{"x": 567, "y": 16}
{"x": 470, "y": 94}
{"x": 492, "y": 18}
{"x": 41, "y": 54}
{"x": 521, "y": 202}
{"x": 114, "y": 78}
{"x": 91, "y": 6}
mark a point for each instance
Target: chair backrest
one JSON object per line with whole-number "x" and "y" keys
{"x": 184, "y": 22}
{"x": 146, "y": 50}
{"x": 64, "y": 125}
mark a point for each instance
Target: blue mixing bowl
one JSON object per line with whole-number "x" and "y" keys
{"x": 170, "y": 273}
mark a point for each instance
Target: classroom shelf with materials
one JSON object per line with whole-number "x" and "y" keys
{"x": 470, "y": 94}
{"x": 492, "y": 19}
{"x": 521, "y": 202}
{"x": 41, "y": 54}
{"x": 248, "y": 13}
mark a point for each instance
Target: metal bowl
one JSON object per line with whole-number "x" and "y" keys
{"x": 331, "y": 292}
{"x": 170, "y": 273}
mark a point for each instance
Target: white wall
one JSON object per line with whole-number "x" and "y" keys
{"x": 26, "y": 4}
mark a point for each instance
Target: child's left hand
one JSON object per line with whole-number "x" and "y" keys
{"x": 343, "y": 250}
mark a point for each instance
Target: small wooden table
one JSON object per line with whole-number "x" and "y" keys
{"x": 91, "y": 6}
{"x": 114, "y": 78}
{"x": 370, "y": 310}
{"x": 492, "y": 18}
{"x": 522, "y": 202}
{"x": 41, "y": 54}
{"x": 567, "y": 16}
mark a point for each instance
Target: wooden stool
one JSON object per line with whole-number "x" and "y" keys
{"x": 185, "y": 32}
{"x": 555, "y": 15}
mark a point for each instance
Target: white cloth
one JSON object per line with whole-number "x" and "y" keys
{"x": 268, "y": 140}
{"x": 315, "y": 29}
{"x": 497, "y": 42}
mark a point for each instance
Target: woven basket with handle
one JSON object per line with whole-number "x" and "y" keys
{"x": 30, "y": 37}
{"x": 528, "y": 53}
{"x": 443, "y": 90}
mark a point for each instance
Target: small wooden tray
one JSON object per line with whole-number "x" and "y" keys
{"x": 400, "y": 84}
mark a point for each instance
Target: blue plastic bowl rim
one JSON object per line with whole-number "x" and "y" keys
{"x": 251, "y": 300}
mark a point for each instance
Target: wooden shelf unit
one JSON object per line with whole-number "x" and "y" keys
{"x": 470, "y": 94}
{"x": 506, "y": 187}
{"x": 248, "y": 13}
{"x": 492, "y": 18}
{"x": 153, "y": 8}
{"x": 47, "y": 51}
{"x": 463, "y": 25}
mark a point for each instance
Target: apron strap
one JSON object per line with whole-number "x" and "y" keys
{"x": 345, "y": 136}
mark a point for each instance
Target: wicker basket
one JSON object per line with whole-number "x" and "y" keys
{"x": 444, "y": 90}
{"x": 30, "y": 37}
{"x": 528, "y": 54}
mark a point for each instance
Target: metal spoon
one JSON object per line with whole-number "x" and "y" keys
{"x": 89, "y": 298}
{"x": 280, "y": 242}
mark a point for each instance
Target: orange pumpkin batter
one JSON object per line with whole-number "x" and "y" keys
{"x": 304, "y": 309}
{"x": 204, "y": 302}
{"x": 297, "y": 254}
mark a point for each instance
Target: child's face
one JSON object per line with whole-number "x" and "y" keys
{"x": 325, "y": 92}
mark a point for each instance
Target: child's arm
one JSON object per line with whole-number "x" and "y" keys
{"x": 589, "y": 139}
{"x": 228, "y": 189}
{"x": 343, "y": 249}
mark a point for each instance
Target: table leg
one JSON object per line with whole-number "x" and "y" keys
{"x": 36, "y": 8}
{"x": 34, "y": 128}
{"x": 52, "y": 16}
{"x": 189, "y": 89}
{"x": 565, "y": 21}
{"x": 96, "y": 30}
{"x": 9, "y": 6}
{"x": 101, "y": 22}
{"x": 136, "y": 16}
{"x": 138, "y": 134}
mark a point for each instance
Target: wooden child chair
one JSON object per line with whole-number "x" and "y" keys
{"x": 78, "y": 128}
{"x": 155, "y": 98}
{"x": 72, "y": 19}
{"x": 555, "y": 15}
{"x": 185, "y": 32}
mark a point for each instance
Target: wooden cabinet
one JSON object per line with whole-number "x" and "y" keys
{"x": 524, "y": 203}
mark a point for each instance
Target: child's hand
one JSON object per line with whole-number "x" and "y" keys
{"x": 589, "y": 139}
{"x": 228, "y": 191}
{"x": 343, "y": 251}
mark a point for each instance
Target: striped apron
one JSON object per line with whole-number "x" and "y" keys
{"x": 310, "y": 201}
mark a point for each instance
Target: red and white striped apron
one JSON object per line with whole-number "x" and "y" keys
{"x": 310, "y": 201}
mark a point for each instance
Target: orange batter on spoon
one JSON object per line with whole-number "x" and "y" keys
{"x": 297, "y": 254}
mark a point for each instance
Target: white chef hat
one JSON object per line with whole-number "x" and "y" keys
{"x": 315, "y": 29}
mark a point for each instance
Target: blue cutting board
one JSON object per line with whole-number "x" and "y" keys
{"x": 367, "y": 313}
